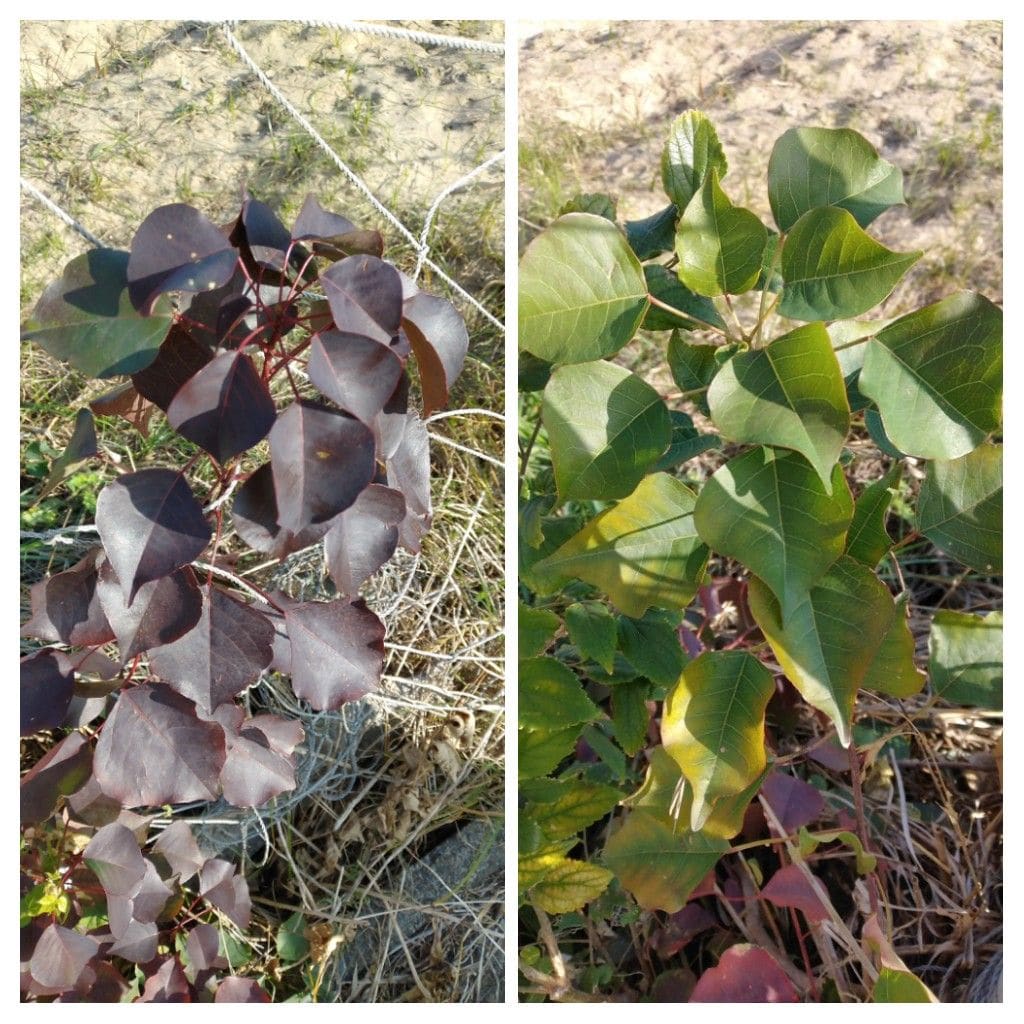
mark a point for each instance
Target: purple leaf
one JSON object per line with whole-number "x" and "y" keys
{"x": 217, "y": 317}
{"x": 225, "y": 652}
{"x": 389, "y": 424}
{"x": 337, "y": 651}
{"x": 439, "y": 339}
{"x": 334, "y": 236}
{"x": 789, "y": 888}
{"x": 364, "y": 537}
{"x": 409, "y": 472}
{"x": 162, "y": 611}
{"x": 203, "y": 948}
{"x": 90, "y": 663}
{"x": 365, "y": 295}
{"x": 63, "y": 769}
{"x": 180, "y": 358}
{"x": 138, "y": 943}
{"x": 154, "y": 750}
{"x": 177, "y": 249}
{"x": 150, "y": 524}
{"x": 66, "y": 608}
{"x": 240, "y": 990}
{"x": 794, "y": 801}
{"x": 223, "y": 889}
{"x": 168, "y": 985}
{"x": 178, "y": 846}
{"x": 254, "y": 514}
{"x": 355, "y": 372}
{"x": 321, "y": 461}
{"x": 126, "y": 402}
{"x": 60, "y": 957}
{"x": 45, "y": 693}
{"x": 114, "y": 856}
{"x": 745, "y": 974}
{"x": 262, "y": 239}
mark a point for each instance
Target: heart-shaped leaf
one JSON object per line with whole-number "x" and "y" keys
{"x": 363, "y": 537}
{"x": 125, "y": 401}
{"x": 224, "y": 408}
{"x": 960, "y": 508}
{"x": 439, "y": 341}
{"x": 150, "y": 524}
{"x": 60, "y": 957}
{"x": 645, "y": 551}
{"x": 892, "y": 670}
{"x": 606, "y": 429}
{"x": 582, "y": 293}
{"x": 337, "y": 651}
{"x": 240, "y": 990}
{"x": 64, "y": 768}
{"x": 180, "y": 358}
{"x": 321, "y": 460}
{"x": 769, "y": 510}
{"x": 155, "y": 750}
{"x": 745, "y": 974}
{"x": 653, "y": 235}
{"x": 719, "y": 245}
{"x": 966, "y": 658}
{"x": 46, "y": 693}
{"x": 409, "y": 473}
{"x": 178, "y": 846}
{"x": 177, "y": 249}
{"x": 86, "y": 318}
{"x": 812, "y": 167}
{"x": 113, "y": 855}
{"x": 713, "y": 726}
{"x": 66, "y": 608}
{"x": 936, "y": 376}
{"x": 665, "y": 285}
{"x": 833, "y": 270}
{"x": 357, "y": 373}
{"x": 794, "y": 802}
{"x": 223, "y": 888}
{"x": 365, "y": 295}
{"x": 332, "y": 235}
{"x": 868, "y": 539}
{"x": 691, "y": 154}
{"x": 222, "y": 655}
{"x": 789, "y": 394}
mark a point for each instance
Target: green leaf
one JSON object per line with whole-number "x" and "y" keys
{"x": 292, "y": 944}
{"x": 769, "y": 510}
{"x": 541, "y": 750}
{"x": 966, "y": 658}
{"x": 812, "y": 167}
{"x": 826, "y": 646}
{"x": 534, "y": 373}
{"x": 653, "y": 235}
{"x": 834, "y": 270}
{"x": 844, "y": 334}
{"x": 936, "y": 376}
{"x": 652, "y": 646}
{"x": 579, "y": 806}
{"x": 568, "y": 885}
{"x": 555, "y": 531}
{"x": 597, "y": 203}
{"x": 692, "y": 366}
{"x": 899, "y": 987}
{"x": 531, "y": 518}
{"x": 691, "y": 152}
{"x": 789, "y": 394}
{"x": 551, "y": 697}
{"x": 892, "y": 670}
{"x": 608, "y": 754}
{"x": 960, "y": 508}
{"x": 592, "y": 629}
{"x": 536, "y": 628}
{"x": 686, "y": 443}
{"x": 86, "y": 318}
{"x": 663, "y": 284}
{"x": 582, "y": 293}
{"x": 810, "y": 841}
{"x": 630, "y": 715}
{"x": 645, "y": 551}
{"x": 873, "y": 424}
{"x": 769, "y": 279}
{"x": 719, "y": 245}
{"x": 81, "y": 446}
{"x": 713, "y": 726}
{"x": 868, "y": 540}
{"x": 606, "y": 428}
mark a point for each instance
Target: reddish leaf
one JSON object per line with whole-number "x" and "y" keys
{"x": 365, "y": 295}
{"x": 334, "y": 236}
{"x": 45, "y": 693}
{"x": 60, "y": 957}
{"x": 66, "y": 608}
{"x": 409, "y": 472}
{"x": 203, "y": 948}
{"x": 177, "y": 249}
{"x": 364, "y": 537}
{"x": 225, "y": 408}
{"x": 794, "y": 801}
{"x": 337, "y": 651}
{"x": 680, "y": 928}
{"x": 223, "y": 889}
{"x": 114, "y": 856}
{"x": 321, "y": 460}
{"x": 138, "y": 942}
{"x": 180, "y": 358}
{"x": 789, "y": 888}
{"x": 217, "y": 318}
{"x": 162, "y": 611}
{"x": 225, "y": 652}
{"x": 167, "y": 985}
{"x": 154, "y": 750}
{"x": 675, "y": 986}
{"x": 100, "y": 982}
{"x": 178, "y": 846}
{"x": 357, "y": 373}
{"x": 254, "y": 514}
{"x": 439, "y": 339}
{"x": 240, "y": 990}
{"x": 150, "y": 524}
{"x": 62, "y": 770}
{"x": 745, "y": 974}
{"x": 389, "y": 424}
{"x": 93, "y": 664}
{"x": 125, "y": 401}
{"x": 262, "y": 239}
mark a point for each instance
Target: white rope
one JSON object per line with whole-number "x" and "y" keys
{"x": 428, "y": 38}
{"x": 462, "y": 448}
{"x": 464, "y": 412}
{"x": 64, "y": 215}
{"x": 351, "y": 175}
